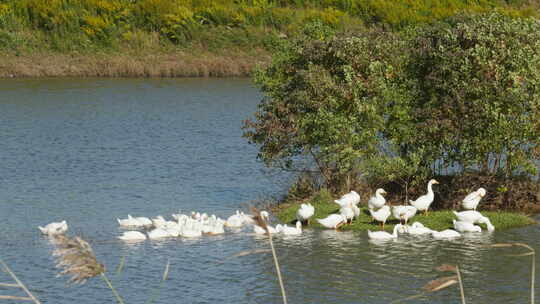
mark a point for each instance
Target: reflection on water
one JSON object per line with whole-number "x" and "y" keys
{"x": 91, "y": 151}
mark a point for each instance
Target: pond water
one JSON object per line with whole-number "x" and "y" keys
{"x": 90, "y": 151}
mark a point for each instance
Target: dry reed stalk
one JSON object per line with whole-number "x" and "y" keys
{"x": 155, "y": 292}
{"x": 76, "y": 257}
{"x": 259, "y": 220}
{"x": 531, "y": 252}
{"x": 462, "y": 292}
{"x": 440, "y": 283}
{"x": 19, "y": 284}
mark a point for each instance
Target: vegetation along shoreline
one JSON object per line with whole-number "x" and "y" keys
{"x": 175, "y": 38}
{"x": 439, "y": 220}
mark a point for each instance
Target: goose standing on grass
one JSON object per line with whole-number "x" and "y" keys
{"x": 383, "y": 235}
{"x": 403, "y": 213}
{"x": 348, "y": 213}
{"x": 377, "y": 201}
{"x": 381, "y": 215}
{"x": 472, "y": 199}
{"x": 466, "y": 227}
{"x": 347, "y": 199}
{"x": 423, "y": 202}
{"x": 333, "y": 221}
{"x": 54, "y": 228}
{"x": 132, "y": 236}
{"x": 356, "y": 211}
{"x": 304, "y": 213}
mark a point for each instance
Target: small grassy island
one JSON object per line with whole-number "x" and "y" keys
{"x": 436, "y": 220}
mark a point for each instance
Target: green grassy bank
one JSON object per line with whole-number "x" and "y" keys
{"x": 154, "y": 38}
{"x": 436, "y": 220}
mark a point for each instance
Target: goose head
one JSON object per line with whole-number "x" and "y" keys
{"x": 433, "y": 181}
{"x": 481, "y": 192}
{"x": 265, "y": 215}
{"x": 380, "y": 191}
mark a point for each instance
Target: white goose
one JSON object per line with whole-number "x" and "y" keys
{"x": 472, "y": 200}
{"x": 304, "y": 213}
{"x": 466, "y": 227}
{"x": 348, "y": 213}
{"x": 286, "y": 230}
{"x": 377, "y": 201}
{"x": 445, "y": 234}
{"x": 54, "y": 228}
{"x": 144, "y": 221}
{"x": 349, "y": 198}
{"x": 235, "y": 220}
{"x": 260, "y": 230}
{"x": 132, "y": 236}
{"x": 418, "y": 228}
{"x": 158, "y": 233}
{"x": 381, "y": 215}
{"x": 474, "y": 217}
{"x": 383, "y": 235}
{"x": 129, "y": 222}
{"x": 333, "y": 221}
{"x": 403, "y": 213}
{"x": 423, "y": 202}
{"x": 191, "y": 230}
{"x": 158, "y": 221}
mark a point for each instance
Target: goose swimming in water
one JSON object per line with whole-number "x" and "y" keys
{"x": 466, "y": 227}
{"x": 333, "y": 221}
{"x": 445, "y": 234}
{"x": 132, "y": 236}
{"x": 383, "y": 235}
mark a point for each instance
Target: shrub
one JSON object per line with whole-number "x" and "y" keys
{"x": 476, "y": 93}
{"x": 438, "y": 100}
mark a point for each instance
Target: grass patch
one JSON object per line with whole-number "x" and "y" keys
{"x": 436, "y": 220}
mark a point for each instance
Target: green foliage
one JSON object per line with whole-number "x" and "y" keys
{"x": 90, "y": 24}
{"x": 398, "y": 109}
{"x": 476, "y": 89}
{"x": 323, "y": 102}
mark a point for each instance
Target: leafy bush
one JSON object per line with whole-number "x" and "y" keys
{"x": 476, "y": 93}
{"x": 438, "y": 100}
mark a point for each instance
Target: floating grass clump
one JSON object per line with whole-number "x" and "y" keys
{"x": 436, "y": 220}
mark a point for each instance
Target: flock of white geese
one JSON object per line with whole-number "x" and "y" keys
{"x": 197, "y": 224}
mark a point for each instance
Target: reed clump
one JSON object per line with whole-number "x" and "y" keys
{"x": 76, "y": 257}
